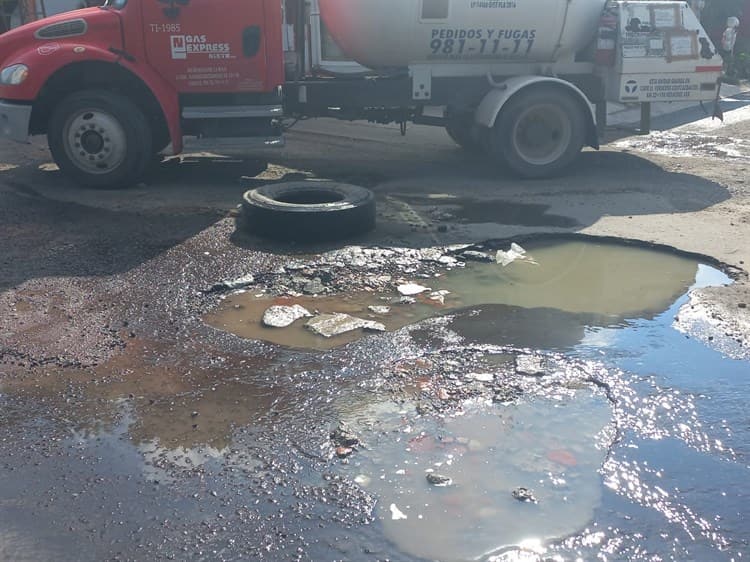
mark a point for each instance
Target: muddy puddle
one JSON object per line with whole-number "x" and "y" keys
{"x": 607, "y": 283}
{"x": 495, "y": 476}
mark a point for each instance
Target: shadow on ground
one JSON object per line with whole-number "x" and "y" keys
{"x": 53, "y": 228}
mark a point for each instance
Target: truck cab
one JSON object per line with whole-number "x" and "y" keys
{"x": 114, "y": 85}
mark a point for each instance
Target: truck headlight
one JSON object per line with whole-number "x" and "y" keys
{"x": 14, "y": 75}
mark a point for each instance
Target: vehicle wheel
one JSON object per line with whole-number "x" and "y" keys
{"x": 460, "y": 128}
{"x": 309, "y": 211}
{"x": 540, "y": 133}
{"x": 100, "y": 139}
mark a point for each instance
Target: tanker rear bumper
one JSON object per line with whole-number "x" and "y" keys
{"x": 14, "y": 121}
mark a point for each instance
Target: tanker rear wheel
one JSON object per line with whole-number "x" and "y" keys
{"x": 539, "y": 133}
{"x": 460, "y": 128}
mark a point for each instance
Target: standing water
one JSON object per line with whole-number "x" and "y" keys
{"x": 543, "y": 410}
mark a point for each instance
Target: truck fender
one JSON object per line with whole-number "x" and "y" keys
{"x": 165, "y": 95}
{"x": 493, "y": 102}
{"x": 68, "y": 55}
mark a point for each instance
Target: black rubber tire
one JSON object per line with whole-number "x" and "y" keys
{"x": 460, "y": 128}
{"x": 504, "y": 149}
{"x": 308, "y": 211}
{"x": 137, "y": 133}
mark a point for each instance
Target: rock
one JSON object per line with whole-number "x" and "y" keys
{"x": 506, "y": 394}
{"x": 530, "y": 365}
{"x": 742, "y": 305}
{"x": 516, "y": 253}
{"x": 524, "y": 495}
{"x": 381, "y": 310}
{"x": 344, "y": 436}
{"x": 439, "y": 296}
{"x": 343, "y": 452}
{"x": 481, "y": 377}
{"x": 396, "y": 513}
{"x": 430, "y": 254}
{"x": 314, "y": 287}
{"x": 473, "y": 255}
{"x": 329, "y": 325}
{"x": 424, "y": 409}
{"x": 410, "y": 289}
{"x": 279, "y": 316}
{"x": 439, "y": 479}
{"x": 231, "y": 285}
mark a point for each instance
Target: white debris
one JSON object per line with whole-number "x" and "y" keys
{"x": 232, "y": 284}
{"x": 410, "y": 289}
{"x": 283, "y": 316}
{"x": 363, "y": 480}
{"x": 329, "y": 325}
{"x": 439, "y": 296}
{"x": 382, "y": 310}
{"x": 396, "y": 513}
{"x": 516, "y": 253}
{"x": 481, "y": 377}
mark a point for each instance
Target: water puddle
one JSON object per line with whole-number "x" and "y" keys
{"x": 491, "y": 477}
{"x": 686, "y": 144}
{"x": 605, "y": 283}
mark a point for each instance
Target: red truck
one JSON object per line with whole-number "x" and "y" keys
{"x": 114, "y": 85}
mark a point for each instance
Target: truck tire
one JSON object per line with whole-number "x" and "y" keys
{"x": 539, "y": 133}
{"x": 100, "y": 139}
{"x": 308, "y": 211}
{"x": 459, "y": 127}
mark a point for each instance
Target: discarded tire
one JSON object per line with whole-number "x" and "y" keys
{"x": 308, "y": 211}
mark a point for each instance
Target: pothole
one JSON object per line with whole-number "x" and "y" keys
{"x": 586, "y": 283}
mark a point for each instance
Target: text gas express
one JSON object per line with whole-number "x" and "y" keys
{"x": 481, "y": 42}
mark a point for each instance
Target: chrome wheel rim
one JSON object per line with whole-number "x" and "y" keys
{"x": 95, "y": 141}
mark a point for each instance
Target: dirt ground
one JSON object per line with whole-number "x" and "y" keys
{"x": 95, "y": 284}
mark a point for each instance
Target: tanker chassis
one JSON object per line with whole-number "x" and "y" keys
{"x": 523, "y": 82}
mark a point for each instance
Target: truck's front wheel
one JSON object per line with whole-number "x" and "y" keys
{"x": 100, "y": 139}
{"x": 539, "y": 133}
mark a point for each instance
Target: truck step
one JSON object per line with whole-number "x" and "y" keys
{"x": 232, "y": 112}
{"x": 232, "y": 145}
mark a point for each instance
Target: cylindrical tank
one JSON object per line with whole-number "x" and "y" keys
{"x": 398, "y": 33}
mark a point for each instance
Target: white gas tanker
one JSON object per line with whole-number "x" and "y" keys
{"x": 518, "y": 79}
{"x": 400, "y": 33}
